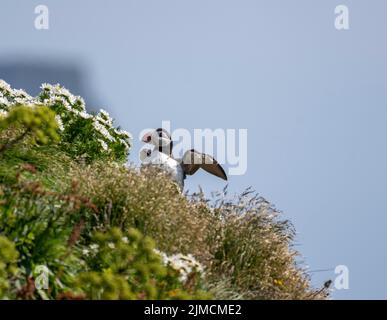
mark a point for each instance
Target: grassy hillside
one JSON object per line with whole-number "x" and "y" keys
{"x": 100, "y": 230}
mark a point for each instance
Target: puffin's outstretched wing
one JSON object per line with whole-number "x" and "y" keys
{"x": 193, "y": 160}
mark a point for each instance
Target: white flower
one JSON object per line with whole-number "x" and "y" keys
{"x": 9, "y": 97}
{"x": 58, "y": 90}
{"x": 111, "y": 245}
{"x": 3, "y": 113}
{"x": 104, "y": 117}
{"x": 102, "y": 130}
{"x": 64, "y": 92}
{"x": 82, "y": 114}
{"x": 103, "y": 145}
{"x": 21, "y": 93}
{"x": 4, "y": 86}
{"x": 124, "y": 138}
{"x": 85, "y": 252}
{"x": 184, "y": 264}
{"x": 19, "y": 100}
{"x": 4, "y": 101}
{"x": 125, "y": 240}
{"x": 58, "y": 100}
{"x": 46, "y": 86}
{"x": 104, "y": 113}
{"x": 125, "y": 143}
{"x": 124, "y": 134}
{"x": 80, "y": 103}
{"x": 60, "y": 122}
{"x": 94, "y": 246}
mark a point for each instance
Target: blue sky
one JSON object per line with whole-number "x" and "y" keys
{"x": 313, "y": 99}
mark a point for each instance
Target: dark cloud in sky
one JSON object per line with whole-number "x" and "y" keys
{"x": 30, "y": 74}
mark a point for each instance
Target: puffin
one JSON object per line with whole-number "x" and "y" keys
{"x": 178, "y": 169}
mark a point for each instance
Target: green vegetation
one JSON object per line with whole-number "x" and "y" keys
{"x": 70, "y": 210}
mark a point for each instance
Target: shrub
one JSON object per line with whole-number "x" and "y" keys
{"x": 126, "y": 266}
{"x": 82, "y": 134}
{"x": 8, "y": 264}
{"x": 36, "y": 122}
{"x": 43, "y": 225}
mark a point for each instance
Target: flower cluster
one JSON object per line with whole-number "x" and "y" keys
{"x": 10, "y": 97}
{"x": 91, "y": 250}
{"x": 185, "y": 265}
{"x": 84, "y": 134}
{"x": 124, "y": 265}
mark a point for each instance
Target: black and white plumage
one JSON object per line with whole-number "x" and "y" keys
{"x": 172, "y": 167}
{"x": 178, "y": 169}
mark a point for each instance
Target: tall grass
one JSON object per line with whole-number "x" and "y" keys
{"x": 243, "y": 243}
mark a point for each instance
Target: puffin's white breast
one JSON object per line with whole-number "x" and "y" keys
{"x": 168, "y": 164}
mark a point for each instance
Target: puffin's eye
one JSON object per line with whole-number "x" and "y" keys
{"x": 148, "y": 153}
{"x": 160, "y": 134}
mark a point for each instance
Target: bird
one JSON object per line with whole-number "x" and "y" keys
{"x": 178, "y": 169}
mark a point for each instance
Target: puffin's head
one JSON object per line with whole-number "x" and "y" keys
{"x": 160, "y": 138}
{"x": 145, "y": 153}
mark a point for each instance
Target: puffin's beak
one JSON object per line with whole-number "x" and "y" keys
{"x": 146, "y": 138}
